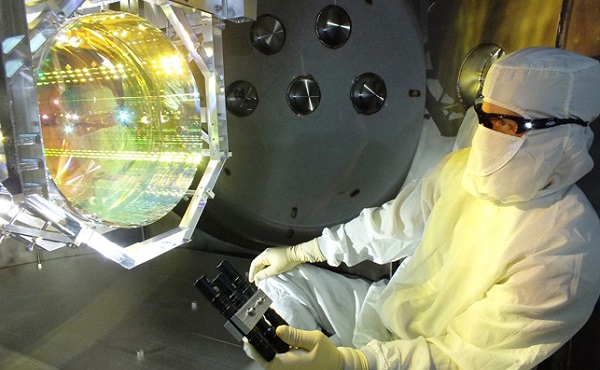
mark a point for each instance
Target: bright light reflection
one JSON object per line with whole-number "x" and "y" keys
{"x": 121, "y": 128}
{"x": 5, "y": 206}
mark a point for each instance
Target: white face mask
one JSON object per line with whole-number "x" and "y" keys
{"x": 513, "y": 169}
{"x": 491, "y": 150}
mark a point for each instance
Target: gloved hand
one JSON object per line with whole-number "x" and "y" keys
{"x": 274, "y": 261}
{"x": 310, "y": 350}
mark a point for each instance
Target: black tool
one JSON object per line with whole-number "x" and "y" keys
{"x": 246, "y": 308}
{"x": 247, "y": 290}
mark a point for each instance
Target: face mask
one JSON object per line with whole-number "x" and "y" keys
{"x": 491, "y": 150}
{"x": 512, "y": 169}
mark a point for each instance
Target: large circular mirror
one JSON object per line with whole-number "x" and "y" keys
{"x": 120, "y": 118}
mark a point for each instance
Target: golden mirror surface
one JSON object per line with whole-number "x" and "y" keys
{"x": 120, "y": 118}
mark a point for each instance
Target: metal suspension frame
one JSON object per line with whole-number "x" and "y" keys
{"x": 31, "y": 212}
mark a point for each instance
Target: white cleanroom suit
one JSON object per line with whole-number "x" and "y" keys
{"x": 491, "y": 286}
{"x": 502, "y": 248}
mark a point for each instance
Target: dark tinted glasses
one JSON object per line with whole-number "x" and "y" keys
{"x": 524, "y": 124}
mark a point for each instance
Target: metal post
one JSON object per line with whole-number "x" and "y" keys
{"x": 563, "y": 24}
{"x": 19, "y": 115}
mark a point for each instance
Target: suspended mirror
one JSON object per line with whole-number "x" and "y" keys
{"x": 120, "y": 118}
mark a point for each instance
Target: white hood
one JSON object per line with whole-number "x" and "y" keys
{"x": 545, "y": 83}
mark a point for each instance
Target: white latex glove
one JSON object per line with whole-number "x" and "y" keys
{"x": 274, "y": 261}
{"x": 310, "y": 350}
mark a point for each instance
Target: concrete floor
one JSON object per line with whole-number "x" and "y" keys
{"x": 85, "y": 312}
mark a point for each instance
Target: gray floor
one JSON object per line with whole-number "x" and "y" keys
{"x": 84, "y": 312}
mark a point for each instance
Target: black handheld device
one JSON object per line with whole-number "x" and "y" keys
{"x": 246, "y": 308}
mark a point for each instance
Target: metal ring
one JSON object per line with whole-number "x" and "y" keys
{"x": 473, "y": 70}
{"x": 241, "y": 98}
{"x": 303, "y": 95}
{"x": 333, "y": 26}
{"x": 268, "y": 34}
{"x": 368, "y": 93}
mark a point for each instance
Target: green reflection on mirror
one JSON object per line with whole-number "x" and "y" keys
{"x": 120, "y": 118}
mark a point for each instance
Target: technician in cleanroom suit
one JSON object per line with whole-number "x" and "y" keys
{"x": 503, "y": 247}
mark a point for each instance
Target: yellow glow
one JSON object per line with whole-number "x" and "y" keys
{"x": 172, "y": 64}
{"x": 120, "y": 118}
{"x": 209, "y": 51}
{"x": 74, "y": 42}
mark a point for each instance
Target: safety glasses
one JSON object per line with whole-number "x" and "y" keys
{"x": 523, "y": 124}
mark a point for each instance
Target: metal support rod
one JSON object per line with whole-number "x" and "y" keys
{"x": 216, "y": 132}
{"x": 65, "y": 7}
{"x": 564, "y": 21}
